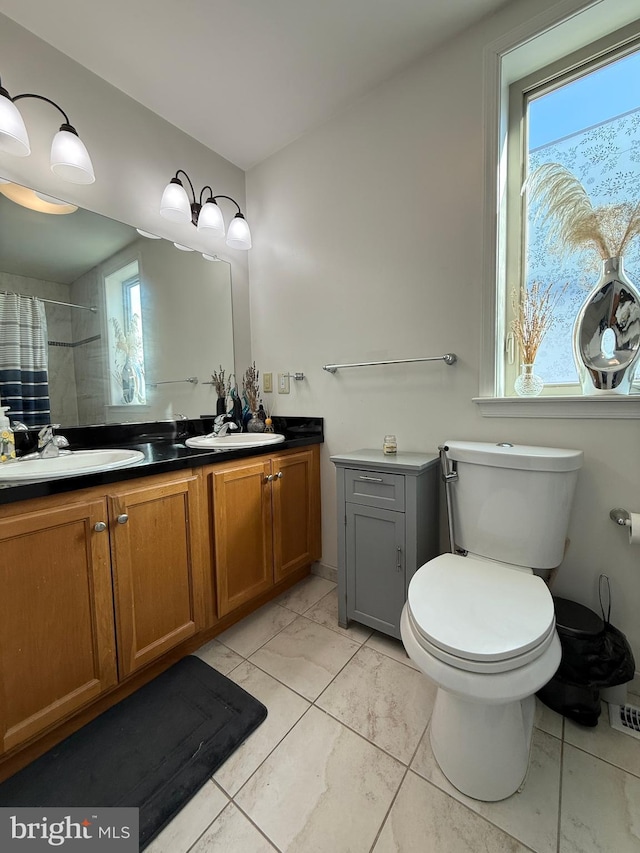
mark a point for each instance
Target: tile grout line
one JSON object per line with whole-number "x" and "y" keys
{"x": 404, "y": 776}
{"x": 559, "y": 828}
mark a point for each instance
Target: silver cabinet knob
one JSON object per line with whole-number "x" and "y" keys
{"x": 278, "y": 476}
{"x": 99, "y": 526}
{"x": 268, "y": 478}
{"x": 122, "y": 519}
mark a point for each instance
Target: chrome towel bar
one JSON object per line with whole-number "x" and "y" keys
{"x": 192, "y": 379}
{"x": 448, "y": 358}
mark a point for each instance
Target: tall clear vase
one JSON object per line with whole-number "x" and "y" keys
{"x": 606, "y": 333}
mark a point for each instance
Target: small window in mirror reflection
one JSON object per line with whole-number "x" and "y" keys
{"x": 126, "y": 348}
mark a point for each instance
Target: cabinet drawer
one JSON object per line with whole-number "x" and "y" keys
{"x": 375, "y": 488}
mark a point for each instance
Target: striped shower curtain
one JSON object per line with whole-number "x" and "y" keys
{"x": 24, "y": 380}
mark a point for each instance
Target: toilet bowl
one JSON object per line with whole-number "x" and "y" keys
{"x": 485, "y": 634}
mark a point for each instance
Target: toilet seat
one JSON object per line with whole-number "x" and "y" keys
{"x": 480, "y": 617}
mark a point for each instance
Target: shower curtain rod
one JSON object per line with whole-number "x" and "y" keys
{"x": 91, "y": 308}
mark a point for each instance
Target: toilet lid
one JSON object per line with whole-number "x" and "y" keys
{"x": 479, "y": 611}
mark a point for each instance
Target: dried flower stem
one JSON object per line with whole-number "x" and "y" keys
{"x": 535, "y": 314}
{"x": 251, "y": 387}
{"x": 222, "y": 388}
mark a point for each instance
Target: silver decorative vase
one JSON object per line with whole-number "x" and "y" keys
{"x": 606, "y": 333}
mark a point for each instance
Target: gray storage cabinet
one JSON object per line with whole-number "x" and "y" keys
{"x": 387, "y": 529}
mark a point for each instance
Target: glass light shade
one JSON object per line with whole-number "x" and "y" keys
{"x": 70, "y": 159}
{"x": 238, "y": 235}
{"x": 175, "y": 203}
{"x": 13, "y": 134}
{"x": 210, "y": 219}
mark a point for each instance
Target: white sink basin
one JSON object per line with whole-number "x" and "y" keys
{"x": 67, "y": 465}
{"x": 234, "y": 440}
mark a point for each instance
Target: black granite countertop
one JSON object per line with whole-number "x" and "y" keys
{"x": 162, "y": 444}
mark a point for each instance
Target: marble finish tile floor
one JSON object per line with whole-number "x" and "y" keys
{"x": 343, "y": 762}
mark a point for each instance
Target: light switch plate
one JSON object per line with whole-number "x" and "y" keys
{"x": 283, "y": 383}
{"x": 267, "y": 383}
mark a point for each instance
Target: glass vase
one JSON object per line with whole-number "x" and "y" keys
{"x": 528, "y": 384}
{"x": 255, "y": 423}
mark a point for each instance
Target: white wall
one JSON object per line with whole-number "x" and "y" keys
{"x": 368, "y": 244}
{"x": 134, "y": 153}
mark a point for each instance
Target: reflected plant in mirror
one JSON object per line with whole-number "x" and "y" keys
{"x": 172, "y": 311}
{"x": 129, "y": 360}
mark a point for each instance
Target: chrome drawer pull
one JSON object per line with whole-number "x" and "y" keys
{"x": 122, "y": 519}
{"x": 99, "y": 526}
{"x": 399, "y": 563}
{"x": 371, "y": 479}
{"x": 268, "y": 478}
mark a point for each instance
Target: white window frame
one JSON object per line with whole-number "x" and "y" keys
{"x": 557, "y": 40}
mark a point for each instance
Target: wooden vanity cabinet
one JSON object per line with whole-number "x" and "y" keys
{"x": 99, "y": 584}
{"x": 158, "y": 568}
{"x": 266, "y": 522}
{"x": 57, "y": 634}
{"x": 85, "y": 574}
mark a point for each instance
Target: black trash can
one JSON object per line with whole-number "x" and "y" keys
{"x": 570, "y": 692}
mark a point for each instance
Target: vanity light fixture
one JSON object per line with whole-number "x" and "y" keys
{"x": 69, "y": 157}
{"x": 204, "y": 213}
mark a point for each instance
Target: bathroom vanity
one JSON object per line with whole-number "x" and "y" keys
{"x": 109, "y": 578}
{"x": 387, "y": 529}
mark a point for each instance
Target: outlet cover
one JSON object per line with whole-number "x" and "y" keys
{"x": 267, "y": 383}
{"x": 283, "y": 383}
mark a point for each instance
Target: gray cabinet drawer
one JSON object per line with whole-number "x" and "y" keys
{"x": 375, "y": 488}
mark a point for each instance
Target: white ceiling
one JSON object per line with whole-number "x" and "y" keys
{"x": 245, "y": 77}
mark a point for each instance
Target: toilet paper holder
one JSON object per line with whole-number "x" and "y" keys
{"x": 621, "y": 517}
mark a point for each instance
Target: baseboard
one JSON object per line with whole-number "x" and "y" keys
{"x": 324, "y": 571}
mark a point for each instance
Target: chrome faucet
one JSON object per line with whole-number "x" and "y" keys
{"x": 49, "y": 444}
{"x": 220, "y": 427}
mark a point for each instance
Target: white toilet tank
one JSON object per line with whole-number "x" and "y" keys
{"x": 512, "y": 502}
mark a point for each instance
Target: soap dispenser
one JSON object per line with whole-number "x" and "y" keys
{"x": 7, "y": 438}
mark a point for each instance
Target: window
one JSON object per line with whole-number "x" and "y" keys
{"x": 584, "y": 114}
{"x": 126, "y": 345}
{"x": 545, "y": 49}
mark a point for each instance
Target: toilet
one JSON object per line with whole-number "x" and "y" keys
{"x": 480, "y": 622}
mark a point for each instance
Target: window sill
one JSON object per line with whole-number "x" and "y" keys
{"x": 605, "y": 406}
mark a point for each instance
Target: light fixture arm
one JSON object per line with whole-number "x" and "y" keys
{"x": 210, "y": 198}
{"x": 177, "y": 179}
{"x": 230, "y": 199}
{"x": 68, "y": 125}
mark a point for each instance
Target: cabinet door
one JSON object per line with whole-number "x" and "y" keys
{"x": 157, "y": 569}
{"x": 296, "y": 512}
{"x": 57, "y": 638}
{"x": 375, "y": 544}
{"x": 242, "y": 521}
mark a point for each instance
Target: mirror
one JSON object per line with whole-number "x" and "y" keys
{"x": 161, "y": 316}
